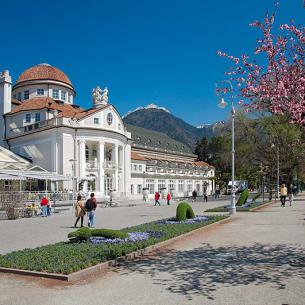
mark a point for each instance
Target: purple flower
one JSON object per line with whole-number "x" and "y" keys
{"x": 196, "y": 219}
{"x": 132, "y": 237}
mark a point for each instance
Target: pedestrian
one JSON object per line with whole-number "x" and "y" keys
{"x": 80, "y": 211}
{"x": 49, "y": 208}
{"x": 194, "y": 194}
{"x": 168, "y": 198}
{"x": 44, "y": 206}
{"x": 157, "y": 197}
{"x": 90, "y": 208}
{"x": 283, "y": 194}
{"x": 290, "y": 196}
{"x": 205, "y": 196}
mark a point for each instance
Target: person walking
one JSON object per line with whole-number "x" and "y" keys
{"x": 194, "y": 194}
{"x": 168, "y": 198}
{"x": 205, "y": 196}
{"x": 291, "y": 197}
{"x": 44, "y": 206}
{"x": 80, "y": 211}
{"x": 283, "y": 194}
{"x": 90, "y": 208}
{"x": 157, "y": 197}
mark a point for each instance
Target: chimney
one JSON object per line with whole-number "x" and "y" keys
{"x": 5, "y": 101}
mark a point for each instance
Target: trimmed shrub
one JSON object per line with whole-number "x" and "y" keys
{"x": 256, "y": 197}
{"x": 184, "y": 211}
{"x": 243, "y": 198}
{"x": 82, "y": 234}
{"x": 108, "y": 233}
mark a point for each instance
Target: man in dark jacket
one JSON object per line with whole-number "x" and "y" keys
{"x": 90, "y": 208}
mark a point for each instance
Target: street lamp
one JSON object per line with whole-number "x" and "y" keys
{"x": 222, "y": 104}
{"x": 278, "y": 169}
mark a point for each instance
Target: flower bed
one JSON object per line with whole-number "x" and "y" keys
{"x": 68, "y": 257}
{"x": 247, "y": 208}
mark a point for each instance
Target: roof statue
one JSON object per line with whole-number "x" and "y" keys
{"x": 99, "y": 96}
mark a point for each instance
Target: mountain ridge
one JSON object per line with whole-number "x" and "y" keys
{"x": 161, "y": 120}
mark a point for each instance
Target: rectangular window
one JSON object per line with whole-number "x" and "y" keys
{"x": 63, "y": 95}
{"x": 28, "y": 118}
{"x": 180, "y": 186}
{"x": 131, "y": 189}
{"x": 135, "y": 167}
{"x": 189, "y": 185}
{"x": 40, "y": 91}
{"x": 161, "y": 185}
{"x": 55, "y": 94}
{"x": 26, "y": 94}
{"x": 140, "y": 168}
{"x": 171, "y": 185}
{"x": 37, "y": 117}
{"x": 150, "y": 184}
{"x": 139, "y": 188}
{"x": 96, "y": 121}
{"x": 19, "y": 96}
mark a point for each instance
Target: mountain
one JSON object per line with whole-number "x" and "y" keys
{"x": 160, "y": 119}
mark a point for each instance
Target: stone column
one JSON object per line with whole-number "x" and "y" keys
{"x": 101, "y": 160}
{"x": 123, "y": 171}
{"x": 82, "y": 160}
{"x": 116, "y": 158}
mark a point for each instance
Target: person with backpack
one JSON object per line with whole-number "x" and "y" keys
{"x": 90, "y": 208}
{"x": 157, "y": 197}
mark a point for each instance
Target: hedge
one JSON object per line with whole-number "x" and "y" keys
{"x": 184, "y": 211}
{"x": 243, "y": 198}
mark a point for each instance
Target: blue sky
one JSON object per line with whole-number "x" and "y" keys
{"x": 144, "y": 51}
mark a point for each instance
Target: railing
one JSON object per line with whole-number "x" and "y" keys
{"x": 110, "y": 164}
{"x": 92, "y": 164}
{"x": 34, "y": 126}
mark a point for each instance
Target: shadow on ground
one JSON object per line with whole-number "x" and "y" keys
{"x": 203, "y": 270}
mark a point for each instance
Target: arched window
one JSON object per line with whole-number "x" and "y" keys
{"x": 109, "y": 118}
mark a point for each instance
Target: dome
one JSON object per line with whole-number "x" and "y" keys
{"x": 43, "y": 72}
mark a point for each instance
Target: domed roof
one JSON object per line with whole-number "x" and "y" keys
{"x": 43, "y": 72}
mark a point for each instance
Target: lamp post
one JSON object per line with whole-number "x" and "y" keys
{"x": 222, "y": 104}
{"x": 277, "y": 170}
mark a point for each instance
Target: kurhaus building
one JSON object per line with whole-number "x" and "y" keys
{"x": 39, "y": 121}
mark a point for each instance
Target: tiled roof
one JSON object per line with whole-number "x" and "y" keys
{"x": 65, "y": 110}
{"x": 202, "y": 163}
{"x": 15, "y": 102}
{"x": 135, "y": 156}
{"x": 38, "y": 103}
{"x": 43, "y": 71}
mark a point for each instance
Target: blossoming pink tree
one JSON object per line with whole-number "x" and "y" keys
{"x": 273, "y": 78}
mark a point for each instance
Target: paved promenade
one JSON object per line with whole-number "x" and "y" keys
{"x": 257, "y": 258}
{"x": 38, "y": 231}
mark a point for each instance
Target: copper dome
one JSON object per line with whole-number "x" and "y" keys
{"x": 43, "y": 72}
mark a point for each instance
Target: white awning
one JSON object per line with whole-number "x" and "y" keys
{"x": 11, "y": 177}
{"x": 23, "y": 175}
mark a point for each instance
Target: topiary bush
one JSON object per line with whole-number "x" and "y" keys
{"x": 243, "y": 198}
{"x": 184, "y": 211}
{"x": 81, "y": 234}
{"x": 256, "y": 197}
{"x": 108, "y": 233}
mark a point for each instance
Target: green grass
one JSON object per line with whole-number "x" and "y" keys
{"x": 67, "y": 257}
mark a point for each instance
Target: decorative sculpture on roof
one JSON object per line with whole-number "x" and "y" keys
{"x": 100, "y": 96}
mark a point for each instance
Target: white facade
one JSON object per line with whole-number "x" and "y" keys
{"x": 92, "y": 146}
